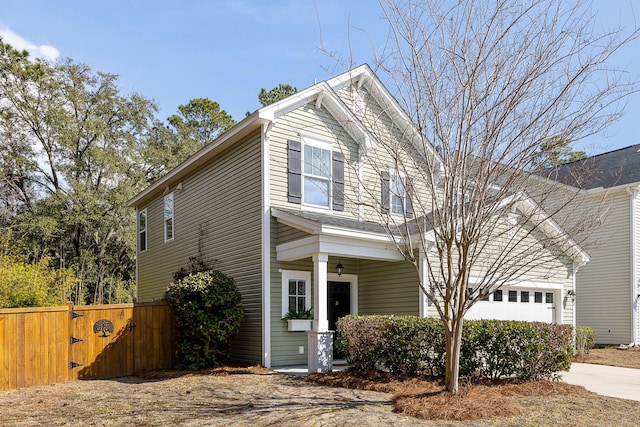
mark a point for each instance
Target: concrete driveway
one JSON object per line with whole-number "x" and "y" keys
{"x": 605, "y": 380}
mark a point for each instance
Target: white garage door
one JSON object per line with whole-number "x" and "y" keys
{"x": 517, "y": 304}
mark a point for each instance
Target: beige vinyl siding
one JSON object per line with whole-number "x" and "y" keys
{"x": 387, "y": 288}
{"x": 603, "y": 294}
{"x": 313, "y": 122}
{"x": 218, "y": 218}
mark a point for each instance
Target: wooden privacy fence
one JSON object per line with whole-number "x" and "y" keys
{"x": 45, "y": 345}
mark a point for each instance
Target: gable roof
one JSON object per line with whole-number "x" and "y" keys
{"x": 606, "y": 170}
{"x": 324, "y": 94}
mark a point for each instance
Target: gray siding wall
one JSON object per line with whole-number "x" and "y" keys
{"x": 387, "y": 288}
{"x": 284, "y": 344}
{"x": 217, "y": 216}
{"x": 603, "y": 285}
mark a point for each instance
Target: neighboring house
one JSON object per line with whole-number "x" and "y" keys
{"x": 274, "y": 203}
{"x": 608, "y": 287}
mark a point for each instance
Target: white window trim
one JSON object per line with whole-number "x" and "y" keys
{"x": 146, "y": 228}
{"x": 299, "y": 275}
{"x": 393, "y": 173}
{"x": 173, "y": 217}
{"x": 312, "y": 141}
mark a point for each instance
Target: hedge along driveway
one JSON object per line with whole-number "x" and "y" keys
{"x": 493, "y": 348}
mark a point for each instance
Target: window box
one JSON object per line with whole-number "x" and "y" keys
{"x": 299, "y": 324}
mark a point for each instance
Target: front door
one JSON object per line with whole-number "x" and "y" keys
{"x": 338, "y": 305}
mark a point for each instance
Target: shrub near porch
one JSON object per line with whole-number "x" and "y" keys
{"x": 490, "y": 348}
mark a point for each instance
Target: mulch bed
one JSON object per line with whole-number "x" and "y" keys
{"x": 426, "y": 398}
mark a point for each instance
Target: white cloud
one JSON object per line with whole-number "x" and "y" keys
{"x": 46, "y": 52}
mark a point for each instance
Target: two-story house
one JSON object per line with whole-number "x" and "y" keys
{"x": 277, "y": 202}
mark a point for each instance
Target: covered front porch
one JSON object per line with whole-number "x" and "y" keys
{"x": 351, "y": 263}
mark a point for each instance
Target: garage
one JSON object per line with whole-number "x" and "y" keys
{"x": 518, "y": 303}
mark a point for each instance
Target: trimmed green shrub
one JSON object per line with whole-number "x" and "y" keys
{"x": 208, "y": 310}
{"x": 545, "y": 350}
{"x": 585, "y": 339}
{"x": 495, "y": 356}
{"x": 490, "y": 348}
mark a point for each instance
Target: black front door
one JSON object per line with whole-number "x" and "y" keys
{"x": 338, "y": 305}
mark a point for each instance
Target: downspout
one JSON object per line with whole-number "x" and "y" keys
{"x": 361, "y": 158}
{"x": 574, "y": 279}
{"x": 633, "y": 192}
{"x": 266, "y": 247}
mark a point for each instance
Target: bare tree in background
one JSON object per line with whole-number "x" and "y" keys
{"x": 486, "y": 84}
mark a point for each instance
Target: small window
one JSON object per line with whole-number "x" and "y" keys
{"x": 513, "y": 296}
{"x": 549, "y": 297}
{"x": 396, "y": 193}
{"x": 296, "y": 291}
{"x": 142, "y": 230}
{"x": 168, "y": 217}
{"x": 538, "y": 297}
{"x": 524, "y": 296}
{"x": 497, "y": 295}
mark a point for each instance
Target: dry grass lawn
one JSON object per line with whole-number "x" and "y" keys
{"x": 612, "y": 356}
{"x": 258, "y": 397}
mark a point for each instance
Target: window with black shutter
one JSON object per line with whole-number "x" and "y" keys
{"x": 338, "y": 180}
{"x": 294, "y": 172}
{"x": 315, "y": 174}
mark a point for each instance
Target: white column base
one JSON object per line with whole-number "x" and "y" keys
{"x": 320, "y": 356}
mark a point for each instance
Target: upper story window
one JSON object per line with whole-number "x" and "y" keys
{"x": 396, "y": 192}
{"x": 168, "y": 217}
{"x": 315, "y": 174}
{"x": 142, "y": 230}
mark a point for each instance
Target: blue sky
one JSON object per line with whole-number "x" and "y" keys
{"x": 173, "y": 51}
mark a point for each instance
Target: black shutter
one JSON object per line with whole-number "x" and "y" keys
{"x": 337, "y": 159}
{"x": 384, "y": 191}
{"x": 294, "y": 169}
{"x": 408, "y": 184}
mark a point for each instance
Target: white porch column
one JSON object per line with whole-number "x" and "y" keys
{"x": 320, "y": 314}
{"x": 320, "y": 339}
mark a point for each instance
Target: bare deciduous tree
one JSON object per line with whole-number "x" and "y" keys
{"x": 485, "y": 85}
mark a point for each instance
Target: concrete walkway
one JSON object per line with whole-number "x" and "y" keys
{"x": 605, "y": 380}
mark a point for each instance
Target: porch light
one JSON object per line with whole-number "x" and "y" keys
{"x": 339, "y": 268}
{"x": 571, "y": 293}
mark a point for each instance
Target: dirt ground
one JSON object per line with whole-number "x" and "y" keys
{"x": 614, "y": 356}
{"x": 264, "y": 398}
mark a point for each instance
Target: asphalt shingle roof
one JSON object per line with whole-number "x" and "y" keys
{"x": 618, "y": 167}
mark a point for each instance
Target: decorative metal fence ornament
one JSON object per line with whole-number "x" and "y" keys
{"x": 105, "y": 326}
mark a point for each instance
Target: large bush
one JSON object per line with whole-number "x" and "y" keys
{"x": 490, "y": 348}
{"x": 208, "y": 310}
